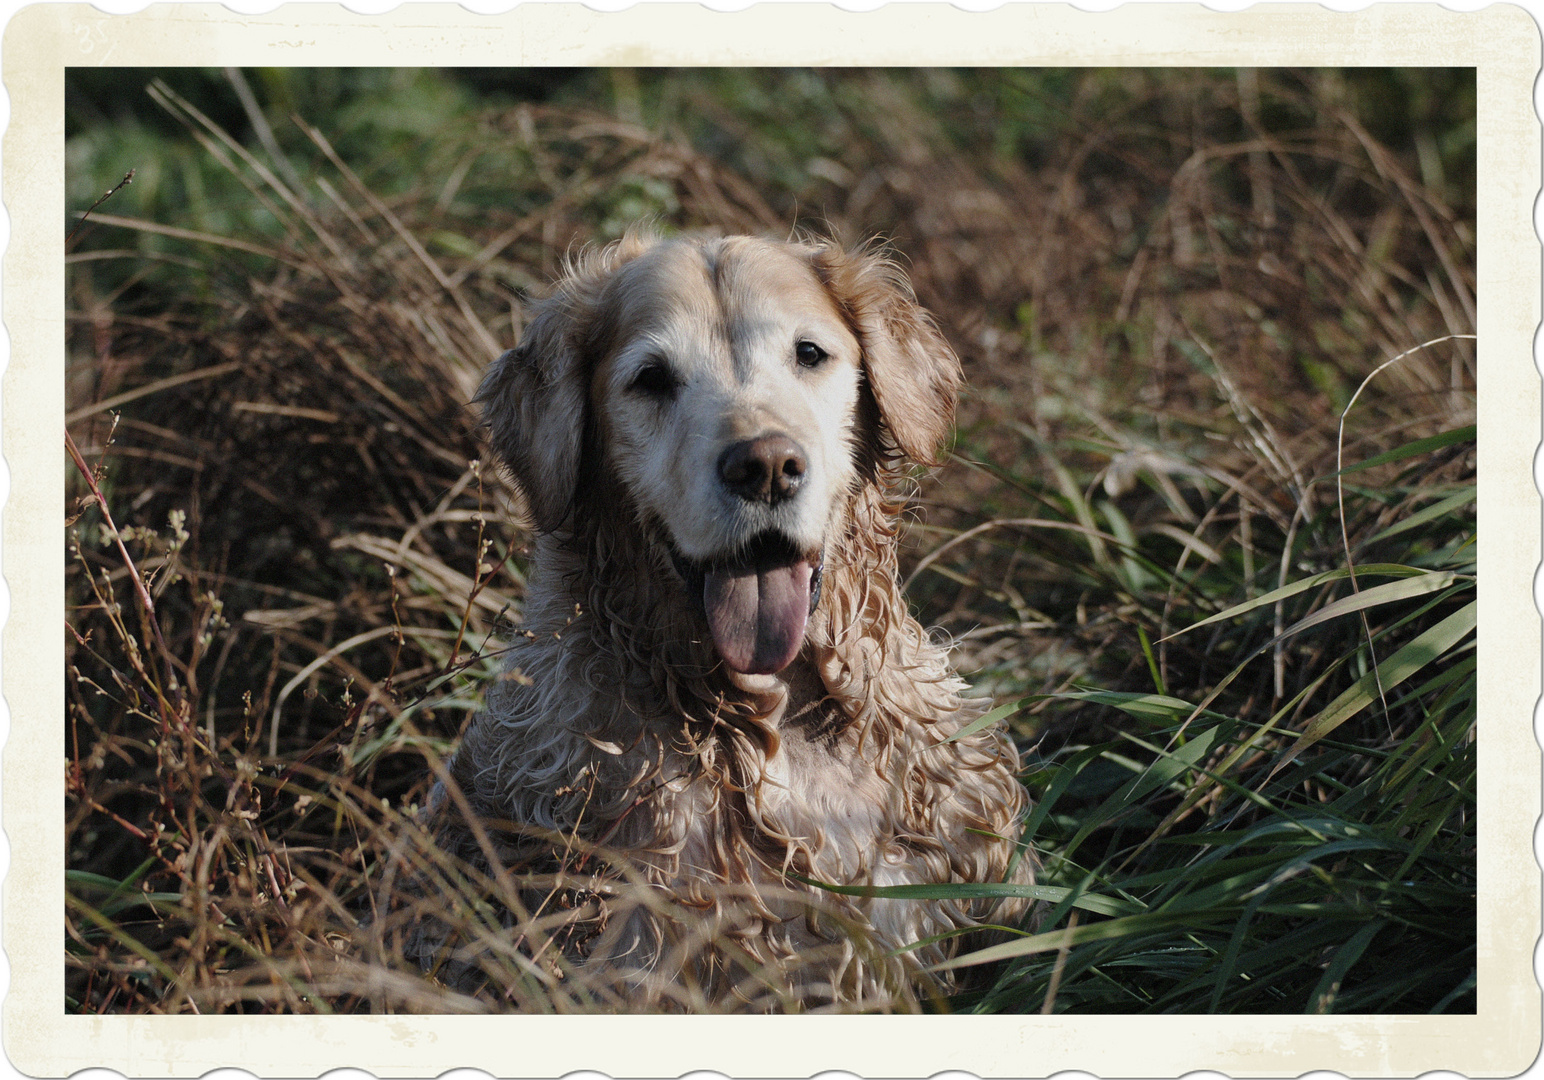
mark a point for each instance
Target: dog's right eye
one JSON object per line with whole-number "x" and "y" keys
{"x": 656, "y": 380}
{"x": 809, "y": 354}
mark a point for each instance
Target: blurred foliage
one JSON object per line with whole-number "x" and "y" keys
{"x": 772, "y": 125}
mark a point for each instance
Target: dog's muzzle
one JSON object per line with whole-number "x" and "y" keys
{"x": 757, "y": 602}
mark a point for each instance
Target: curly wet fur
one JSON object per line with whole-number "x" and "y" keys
{"x": 617, "y": 724}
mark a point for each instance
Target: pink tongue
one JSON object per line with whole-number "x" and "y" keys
{"x": 757, "y": 617}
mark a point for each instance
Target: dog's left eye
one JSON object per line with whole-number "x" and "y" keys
{"x": 656, "y": 380}
{"x": 809, "y": 354}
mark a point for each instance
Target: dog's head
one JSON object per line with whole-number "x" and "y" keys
{"x": 733, "y": 395}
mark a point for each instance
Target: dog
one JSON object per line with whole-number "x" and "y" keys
{"x": 717, "y": 681}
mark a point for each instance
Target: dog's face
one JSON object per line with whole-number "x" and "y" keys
{"x": 725, "y": 405}
{"x": 723, "y": 387}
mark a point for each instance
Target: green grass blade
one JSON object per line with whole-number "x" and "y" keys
{"x": 1229, "y": 960}
{"x": 1070, "y": 490}
{"x": 1417, "y": 590}
{"x": 1205, "y": 783}
{"x": 976, "y": 890}
{"x": 1409, "y": 450}
{"x": 1169, "y": 765}
{"x": 1388, "y": 593}
{"x": 1136, "y": 578}
{"x": 1458, "y": 991}
{"x": 1322, "y": 1000}
{"x": 1393, "y": 671}
{"x": 992, "y": 716}
{"x": 1100, "y": 931}
{"x": 1152, "y": 663}
{"x": 1152, "y": 707}
{"x": 1421, "y": 517}
{"x": 1065, "y": 775}
{"x": 1370, "y": 570}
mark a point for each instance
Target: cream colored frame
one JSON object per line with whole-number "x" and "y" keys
{"x": 1502, "y": 42}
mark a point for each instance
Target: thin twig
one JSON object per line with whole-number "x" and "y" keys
{"x": 146, "y": 603}
{"x": 306, "y": 672}
{"x": 128, "y": 178}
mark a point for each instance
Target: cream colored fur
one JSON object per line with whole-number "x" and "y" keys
{"x": 618, "y": 725}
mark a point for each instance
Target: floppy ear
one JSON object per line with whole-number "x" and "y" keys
{"x": 535, "y": 397}
{"x": 912, "y": 371}
{"x": 533, "y": 400}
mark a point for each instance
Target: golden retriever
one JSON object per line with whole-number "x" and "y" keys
{"x": 718, "y": 680}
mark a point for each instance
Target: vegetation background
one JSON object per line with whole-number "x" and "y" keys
{"x": 1217, "y": 327}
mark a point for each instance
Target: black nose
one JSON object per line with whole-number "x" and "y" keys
{"x": 769, "y": 469}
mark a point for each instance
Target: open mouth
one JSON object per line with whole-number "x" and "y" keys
{"x": 757, "y": 601}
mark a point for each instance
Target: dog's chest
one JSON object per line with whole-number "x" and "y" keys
{"x": 820, "y": 794}
{"x": 822, "y": 791}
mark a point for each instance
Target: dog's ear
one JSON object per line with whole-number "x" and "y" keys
{"x": 535, "y": 397}
{"x": 912, "y": 371}
{"x": 534, "y": 402}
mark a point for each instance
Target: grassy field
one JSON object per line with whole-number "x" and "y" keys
{"x": 1207, "y": 533}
